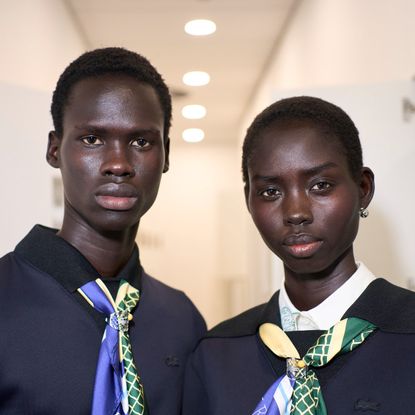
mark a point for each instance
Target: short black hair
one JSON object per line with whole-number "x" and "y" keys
{"x": 112, "y": 60}
{"x": 334, "y": 122}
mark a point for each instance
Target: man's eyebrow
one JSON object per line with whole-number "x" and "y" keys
{"x": 261, "y": 178}
{"x": 306, "y": 172}
{"x": 90, "y": 127}
{"x": 95, "y": 128}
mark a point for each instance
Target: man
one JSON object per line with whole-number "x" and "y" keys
{"x": 84, "y": 328}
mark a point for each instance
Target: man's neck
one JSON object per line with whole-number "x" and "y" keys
{"x": 107, "y": 252}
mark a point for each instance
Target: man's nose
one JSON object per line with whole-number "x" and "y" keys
{"x": 118, "y": 161}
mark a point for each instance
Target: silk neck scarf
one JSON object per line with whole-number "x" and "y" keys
{"x": 298, "y": 392}
{"x": 117, "y": 389}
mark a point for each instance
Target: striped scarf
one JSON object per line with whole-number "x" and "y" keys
{"x": 118, "y": 389}
{"x": 298, "y": 392}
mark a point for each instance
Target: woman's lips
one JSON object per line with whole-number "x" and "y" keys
{"x": 304, "y": 250}
{"x": 115, "y": 202}
{"x": 302, "y": 246}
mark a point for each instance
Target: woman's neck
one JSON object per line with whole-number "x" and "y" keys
{"x": 307, "y": 291}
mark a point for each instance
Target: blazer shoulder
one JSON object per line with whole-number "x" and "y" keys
{"x": 11, "y": 264}
{"x": 171, "y": 303}
{"x": 5, "y": 260}
{"x": 162, "y": 293}
{"x": 244, "y": 324}
{"x": 386, "y": 305}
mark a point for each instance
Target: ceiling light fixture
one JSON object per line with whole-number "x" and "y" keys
{"x": 196, "y": 78}
{"x": 200, "y": 27}
{"x": 193, "y": 135}
{"x": 194, "y": 112}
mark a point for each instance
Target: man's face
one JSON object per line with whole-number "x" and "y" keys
{"x": 112, "y": 153}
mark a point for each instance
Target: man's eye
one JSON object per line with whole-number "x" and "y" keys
{"x": 140, "y": 142}
{"x": 91, "y": 140}
{"x": 270, "y": 194}
{"x": 321, "y": 186}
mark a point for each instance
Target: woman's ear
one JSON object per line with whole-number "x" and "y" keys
{"x": 367, "y": 187}
{"x": 52, "y": 152}
{"x": 166, "y": 155}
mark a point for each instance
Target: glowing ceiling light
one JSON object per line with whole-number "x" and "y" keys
{"x": 193, "y": 135}
{"x": 200, "y": 27}
{"x": 194, "y": 112}
{"x": 196, "y": 78}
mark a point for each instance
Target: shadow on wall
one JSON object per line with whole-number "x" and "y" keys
{"x": 377, "y": 246}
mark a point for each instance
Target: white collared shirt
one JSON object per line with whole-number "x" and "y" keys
{"x": 331, "y": 310}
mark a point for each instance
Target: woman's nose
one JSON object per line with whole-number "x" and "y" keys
{"x": 297, "y": 209}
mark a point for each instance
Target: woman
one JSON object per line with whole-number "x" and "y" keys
{"x": 334, "y": 339}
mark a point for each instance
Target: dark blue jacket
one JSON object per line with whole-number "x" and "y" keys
{"x": 49, "y": 340}
{"x": 231, "y": 368}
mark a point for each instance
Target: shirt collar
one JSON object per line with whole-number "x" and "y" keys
{"x": 53, "y": 255}
{"x": 387, "y": 306}
{"x": 331, "y": 310}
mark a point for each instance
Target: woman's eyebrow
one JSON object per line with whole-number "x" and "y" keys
{"x": 318, "y": 169}
{"x": 306, "y": 172}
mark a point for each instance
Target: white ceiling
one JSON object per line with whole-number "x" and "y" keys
{"x": 235, "y": 55}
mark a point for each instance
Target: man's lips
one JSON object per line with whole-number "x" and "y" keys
{"x": 302, "y": 246}
{"x": 116, "y": 202}
{"x": 114, "y": 196}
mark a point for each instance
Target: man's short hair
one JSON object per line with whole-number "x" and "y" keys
{"x": 113, "y": 60}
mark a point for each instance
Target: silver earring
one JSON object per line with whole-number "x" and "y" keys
{"x": 363, "y": 212}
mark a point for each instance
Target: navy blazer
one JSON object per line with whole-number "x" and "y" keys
{"x": 49, "y": 343}
{"x": 231, "y": 368}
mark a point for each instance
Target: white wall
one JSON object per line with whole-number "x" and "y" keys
{"x": 27, "y": 179}
{"x": 38, "y": 41}
{"x": 338, "y": 42}
{"x": 335, "y": 43}
{"x": 194, "y": 237}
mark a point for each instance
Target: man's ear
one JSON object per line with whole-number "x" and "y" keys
{"x": 246, "y": 192}
{"x": 367, "y": 187}
{"x": 166, "y": 155}
{"x": 52, "y": 152}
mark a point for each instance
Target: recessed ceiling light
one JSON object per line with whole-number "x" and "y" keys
{"x": 196, "y": 78}
{"x": 193, "y": 135}
{"x": 200, "y": 27}
{"x": 194, "y": 112}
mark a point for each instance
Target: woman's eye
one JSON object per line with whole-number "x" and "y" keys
{"x": 321, "y": 186}
{"x": 140, "y": 142}
{"x": 91, "y": 140}
{"x": 270, "y": 194}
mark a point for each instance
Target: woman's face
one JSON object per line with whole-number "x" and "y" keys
{"x": 303, "y": 198}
